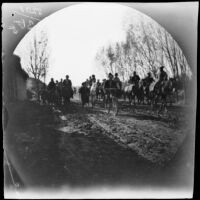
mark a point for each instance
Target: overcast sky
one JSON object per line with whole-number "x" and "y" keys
{"x": 75, "y": 34}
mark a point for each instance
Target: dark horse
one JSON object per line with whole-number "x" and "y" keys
{"x": 163, "y": 90}
{"x": 133, "y": 91}
{"x": 179, "y": 85}
{"x": 66, "y": 94}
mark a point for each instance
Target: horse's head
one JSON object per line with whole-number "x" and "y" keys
{"x": 93, "y": 86}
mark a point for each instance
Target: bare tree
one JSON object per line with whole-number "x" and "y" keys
{"x": 38, "y": 58}
{"x": 147, "y": 47}
{"x": 102, "y": 58}
{"x": 39, "y": 54}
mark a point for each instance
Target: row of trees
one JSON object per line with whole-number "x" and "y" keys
{"x": 146, "y": 48}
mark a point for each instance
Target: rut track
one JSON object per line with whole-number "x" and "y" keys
{"x": 154, "y": 140}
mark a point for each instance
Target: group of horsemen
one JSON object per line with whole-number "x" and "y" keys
{"x": 63, "y": 91}
{"x": 113, "y": 84}
{"x": 57, "y": 92}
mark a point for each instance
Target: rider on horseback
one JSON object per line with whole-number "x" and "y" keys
{"x": 68, "y": 84}
{"x": 84, "y": 92}
{"x": 111, "y": 90}
{"x": 60, "y": 84}
{"x": 51, "y": 86}
{"x": 110, "y": 83}
{"x": 130, "y": 81}
{"x": 118, "y": 82}
{"x": 98, "y": 83}
{"x": 135, "y": 78}
{"x": 67, "y": 81}
{"x": 163, "y": 75}
{"x": 57, "y": 83}
{"x": 93, "y": 79}
{"x": 149, "y": 79}
{"x": 147, "y": 82}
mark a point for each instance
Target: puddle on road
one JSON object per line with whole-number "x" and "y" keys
{"x": 66, "y": 129}
{"x": 63, "y": 117}
{"x": 71, "y": 130}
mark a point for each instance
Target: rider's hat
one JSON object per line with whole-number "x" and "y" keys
{"x": 110, "y": 74}
{"x": 116, "y": 74}
{"x": 162, "y": 67}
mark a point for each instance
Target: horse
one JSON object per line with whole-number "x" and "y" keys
{"x": 149, "y": 91}
{"x": 93, "y": 93}
{"x": 131, "y": 91}
{"x": 140, "y": 92}
{"x": 66, "y": 94}
{"x": 50, "y": 96}
{"x": 102, "y": 92}
{"x": 84, "y": 95}
{"x": 127, "y": 92}
{"x": 57, "y": 96}
{"x": 161, "y": 91}
{"x": 98, "y": 92}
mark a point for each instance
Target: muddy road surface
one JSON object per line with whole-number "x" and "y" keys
{"x": 53, "y": 146}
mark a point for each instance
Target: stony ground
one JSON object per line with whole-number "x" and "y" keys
{"x": 52, "y": 146}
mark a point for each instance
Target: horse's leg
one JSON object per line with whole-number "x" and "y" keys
{"x": 177, "y": 99}
{"x": 171, "y": 99}
{"x": 143, "y": 100}
{"x": 130, "y": 98}
{"x": 134, "y": 99}
{"x": 107, "y": 104}
{"x": 165, "y": 104}
{"x": 91, "y": 98}
{"x": 93, "y": 101}
{"x": 104, "y": 102}
{"x": 138, "y": 99}
{"x": 154, "y": 104}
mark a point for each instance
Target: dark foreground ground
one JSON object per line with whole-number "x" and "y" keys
{"x": 91, "y": 148}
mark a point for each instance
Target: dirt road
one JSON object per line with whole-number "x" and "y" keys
{"x": 83, "y": 146}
